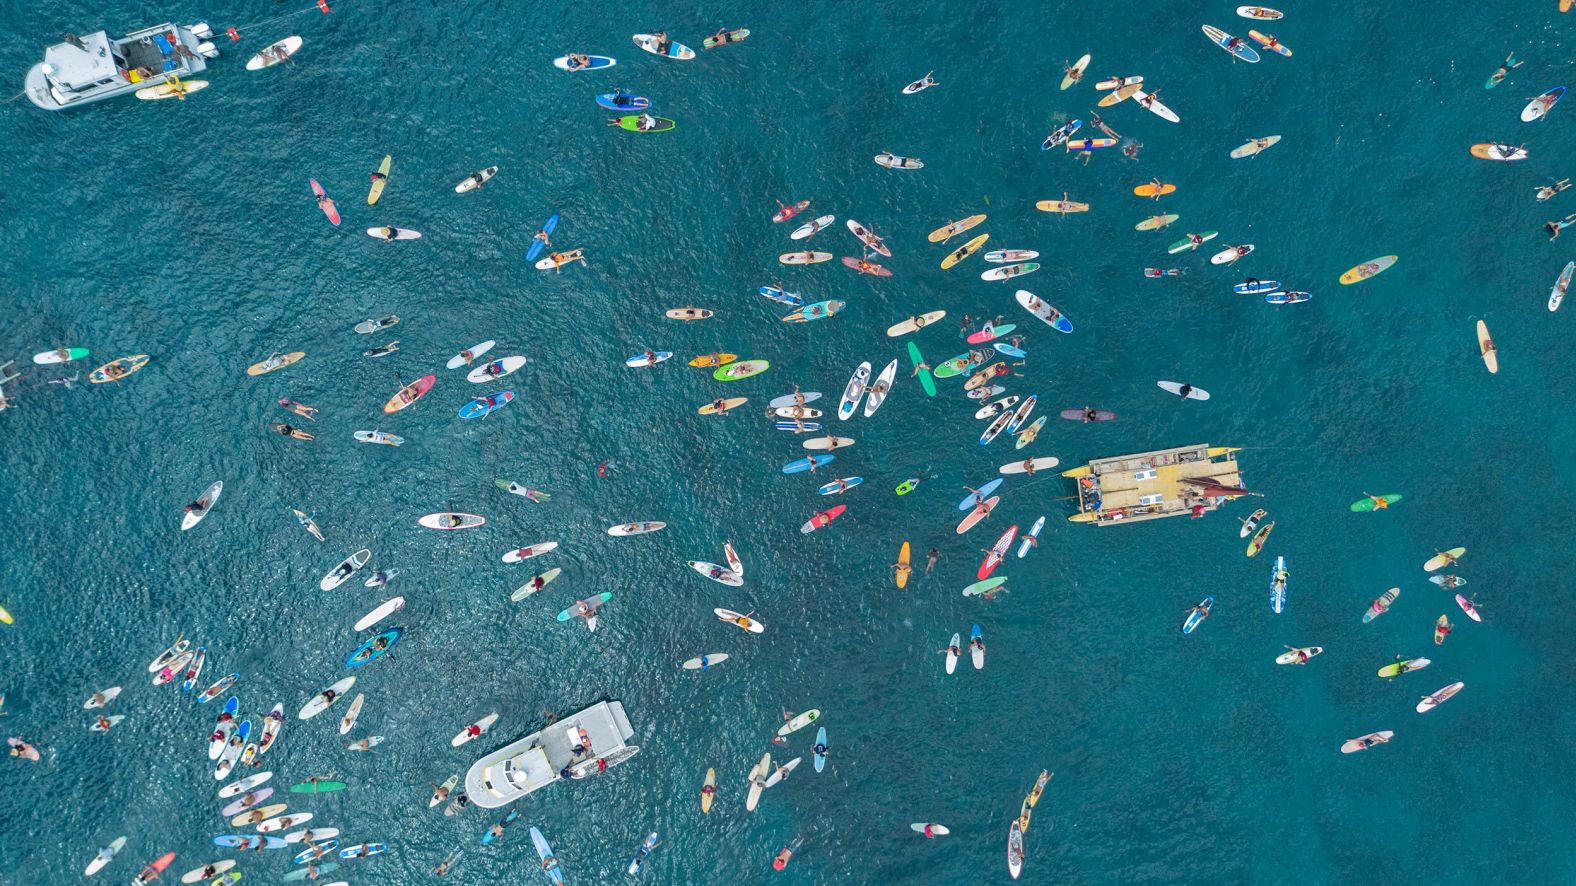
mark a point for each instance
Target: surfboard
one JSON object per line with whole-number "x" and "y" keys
{"x": 1021, "y": 467}
{"x": 1049, "y": 315}
{"x": 1443, "y": 559}
{"x": 169, "y": 90}
{"x": 536, "y": 584}
{"x": 964, "y": 251}
{"x": 1486, "y": 348}
{"x": 348, "y": 567}
{"x": 675, "y": 50}
{"x": 1224, "y": 40}
{"x": 703, "y": 662}
{"x": 1292, "y": 656}
{"x": 812, "y": 227}
{"x": 1075, "y": 73}
{"x": 1255, "y": 147}
{"x": 277, "y": 361}
{"x": 480, "y": 408}
{"x": 380, "y": 180}
{"x": 804, "y": 258}
{"x": 926, "y": 381}
{"x": 1379, "y": 606}
{"x": 1496, "y": 151}
{"x": 952, "y": 229}
{"x": 1268, "y": 41}
{"x": 383, "y": 610}
{"x": 914, "y": 323}
{"x": 1540, "y": 106}
{"x": 1197, "y": 614}
{"x": 475, "y": 180}
{"x": 1230, "y": 254}
{"x": 979, "y": 513}
{"x": 1121, "y": 93}
{"x": 728, "y": 404}
{"x": 1186, "y": 244}
{"x": 1367, "y": 269}
{"x": 596, "y": 62}
{"x": 537, "y": 246}
{"x": 894, "y": 161}
{"x": 1176, "y": 388}
{"x": 1435, "y": 699}
{"x": 1155, "y": 107}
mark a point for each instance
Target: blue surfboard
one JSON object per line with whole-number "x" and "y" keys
{"x": 479, "y": 407}
{"x": 969, "y": 500}
{"x": 1198, "y": 615}
{"x": 803, "y": 464}
{"x": 536, "y": 245}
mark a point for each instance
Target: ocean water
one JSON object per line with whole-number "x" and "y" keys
{"x": 187, "y": 231}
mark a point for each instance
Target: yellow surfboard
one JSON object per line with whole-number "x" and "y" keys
{"x": 1120, "y": 94}
{"x": 952, "y": 229}
{"x": 1486, "y": 346}
{"x": 1150, "y": 190}
{"x": 727, "y": 404}
{"x": 284, "y": 360}
{"x": 903, "y": 569}
{"x": 1367, "y": 269}
{"x": 1061, "y": 206}
{"x": 381, "y": 179}
{"x": 964, "y": 251}
{"x": 1155, "y": 222}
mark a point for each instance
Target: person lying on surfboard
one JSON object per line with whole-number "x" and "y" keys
{"x": 1510, "y": 65}
{"x": 1547, "y": 191}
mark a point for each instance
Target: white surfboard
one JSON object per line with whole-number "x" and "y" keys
{"x": 525, "y": 553}
{"x": 212, "y": 493}
{"x": 913, "y": 324}
{"x": 399, "y": 234}
{"x": 1018, "y": 467}
{"x": 289, "y": 45}
{"x": 480, "y": 373}
{"x": 318, "y": 704}
{"x": 384, "y": 610}
{"x": 1176, "y": 388}
{"x": 470, "y": 354}
{"x": 470, "y": 183}
{"x": 465, "y": 735}
{"x": 712, "y": 660}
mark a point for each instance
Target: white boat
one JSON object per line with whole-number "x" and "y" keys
{"x": 537, "y": 760}
{"x": 90, "y": 68}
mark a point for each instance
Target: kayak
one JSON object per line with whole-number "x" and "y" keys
{"x": 450, "y": 520}
{"x": 1367, "y": 269}
{"x": 409, "y": 394}
{"x": 707, "y": 361}
{"x": 366, "y": 653}
{"x": 481, "y": 407}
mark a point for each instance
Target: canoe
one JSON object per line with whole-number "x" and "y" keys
{"x": 366, "y": 653}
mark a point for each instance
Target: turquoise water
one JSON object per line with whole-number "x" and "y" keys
{"x": 187, "y": 231}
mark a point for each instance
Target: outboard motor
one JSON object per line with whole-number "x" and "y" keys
{"x": 201, "y": 31}
{"x": 207, "y": 50}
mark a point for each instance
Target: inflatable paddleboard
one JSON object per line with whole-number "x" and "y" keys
{"x": 1176, "y": 388}
{"x": 596, "y": 62}
{"x": 675, "y": 50}
{"x": 476, "y": 180}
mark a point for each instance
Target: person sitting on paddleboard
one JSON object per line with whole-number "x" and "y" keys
{"x": 1184, "y": 391}
{"x": 198, "y": 506}
{"x": 577, "y": 61}
{"x": 1088, "y": 416}
{"x": 663, "y": 43}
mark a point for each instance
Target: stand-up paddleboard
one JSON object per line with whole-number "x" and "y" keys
{"x": 1435, "y": 699}
{"x": 62, "y": 355}
{"x": 1261, "y": 13}
{"x": 675, "y": 50}
{"x": 894, "y": 161}
{"x": 740, "y": 620}
{"x": 1297, "y": 655}
{"x": 1256, "y": 288}
{"x": 1539, "y": 107}
{"x": 996, "y": 407}
{"x": 854, "y": 392}
{"x": 1010, "y": 271}
{"x": 997, "y": 553}
{"x": 483, "y": 406}
{"x": 817, "y": 311}
{"x": 840, "y": 485}
{"x": 1287, "y": 298}
{"x": 1022, "y": 413}
{"x": 494, "y": 370}
{"x": 964, "y": 251}
{"x": 1270, "y": 42}
{"x": 596, "y": 62}
{"x": 726, "y": 405}
{"x": 390, "y": 233}
{"x": 952, "y": 229}
{"x": 475, "y": 180}
{"x": 877, "y": 393}
{"x": 272, "y": 55}
{"x": 277, "y": 361}
{"x": 926, "y": 381}
{"x": 449, "y": 520}
{"x": 914, "y": 323}
{"x": 1496, "y": 151}
{"x": 1278, "y": 578}
{"x": 339, "y": 574}
{"x": 1367, "y": 269}
{"x": 1089, "y": 144}
{"x": 1234, "y": 45}
{"x": 409, "y": 394}
{"x": 1251, "y": 523}
{"x": 1014, "y": 849}
{"x": 1487, "y": 348}
{"x": 324, "y": 203}
{"x": 1148, "y": 100}
{"x": 208, "y": 499}
{"x": 124, "y": 366}
{"x": 705, "y": 662}
{"x": 865, "y": 267}
{"x": 1030, "y": 434}
{"x": 1402, "y": 667}
{"x": 810, "y": 228}
{"x": 717, "y": 573}
{"x": 1176, "y": 388}
{"x": 631, "y": 123}
{"x": 1049, "y": 315}
{"x": 804, "y": 258}
{"x": 1197, "y": 614}
{"x": 995, "y": 428}
{"x": 623, "y": 530}
{"x": 378, "y": 437}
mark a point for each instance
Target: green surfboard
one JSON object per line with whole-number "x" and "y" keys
{"x": 318, "y": 787}
{"x": 631, "y": 124}
{"x": 925, "y": 381}
{"x": 981, "y": 587}
{"x": 600, "y": 598}
{"x": 1185, "y": 244}
{"x": 1369, "y": 504}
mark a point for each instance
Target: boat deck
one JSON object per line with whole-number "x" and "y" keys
{"x": 1152, "y": 485}
{"x": 537, "y": 760}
